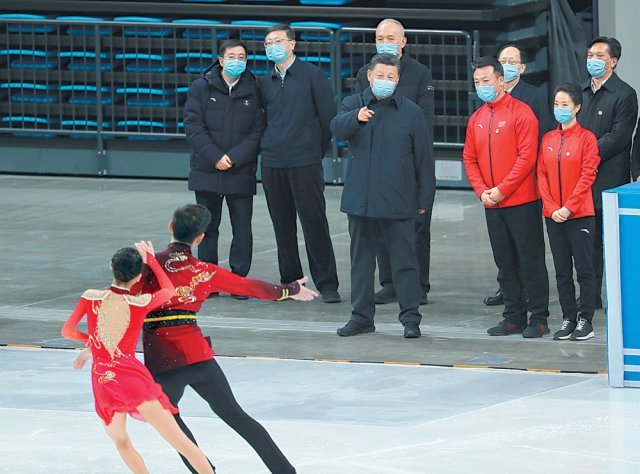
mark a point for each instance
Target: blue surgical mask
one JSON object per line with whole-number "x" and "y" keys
{"x": 486, "y": 93}
{"x": 383, "y": 89}
{"x": 563, "y": 114}
{"x": 596, "y": 67}
{"x": 277, "y": 53}
{"x": 234, "y": 67}
{"x": 511, "y": 72}
{"x": 390, "y": 48}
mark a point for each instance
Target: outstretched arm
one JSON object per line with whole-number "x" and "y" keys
{"x": 228, "y": 282}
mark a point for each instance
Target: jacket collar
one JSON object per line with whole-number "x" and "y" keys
{"x": 293, "y": 68}
{"x": 368, "y": 97}
{"x": 506, "y": 99}
{"x": 570, "y": 131}
{"x": 180, "y": 246}
{"x": 213, "y": 75}
{"x": 610, "y": 84}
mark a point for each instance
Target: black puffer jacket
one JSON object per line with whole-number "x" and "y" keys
{"x": 219, "y": 123}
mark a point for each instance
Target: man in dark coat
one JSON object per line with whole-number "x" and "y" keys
{"x": 224, "y": 122}
{"x": 390, "y": 179}
{"x": 514, "y": 63}
{"x": 416, "y": 85}
{"x": 635, "y": 155}
{"x": 299, "y": 105}
{"x": 609, "y": 110}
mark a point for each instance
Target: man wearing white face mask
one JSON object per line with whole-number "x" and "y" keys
{"x": 224, "y": 122}
{"x": 514, "y": 63}
{"x": 390, "y": 179}
{"x": 609, "y": 110}
{"x": 499, "y": 155}
{"x": 299, "y": 105}
{"x": 416, "y": 85}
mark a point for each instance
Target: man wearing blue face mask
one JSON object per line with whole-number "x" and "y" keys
{"x": 299, "y": 105}
{"x": 224, "y": 122}
{"x": 514, "y": 63}
{"x": 609, "y": 110}
{"x": 416, "y": 85}
{"x": 390, "y": 180}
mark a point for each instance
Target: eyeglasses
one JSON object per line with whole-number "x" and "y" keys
{"x": 511, "y": 61}
{"x": 277, "y": 41}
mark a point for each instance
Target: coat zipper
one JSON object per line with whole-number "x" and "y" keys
{"x": 493, "y": 181}
{"x": 559, "y": 174}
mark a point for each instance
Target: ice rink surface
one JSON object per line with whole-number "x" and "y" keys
{"x": 331, "y": 417}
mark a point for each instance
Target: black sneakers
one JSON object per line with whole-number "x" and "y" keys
{"x": 583, "y": 331}
{"x": 331, "y": 296}
{"x": 535, "y": 329}
{"x": 353, "y": 328}
{"x": 505, "y": 328}
{"x": 387, "y": 294}
{"x": 495, "y": 299}
{"x": 412, "y": 330}
{"x": 564, "y": 333}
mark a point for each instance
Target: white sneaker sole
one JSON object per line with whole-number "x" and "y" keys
{"x": 583, "y": 338}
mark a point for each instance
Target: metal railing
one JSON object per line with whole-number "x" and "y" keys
{"x": 108, "y": 79}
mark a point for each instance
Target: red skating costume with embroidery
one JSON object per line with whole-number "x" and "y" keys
{"x": 171, "y": 336}
{"x": 114, "y": 319}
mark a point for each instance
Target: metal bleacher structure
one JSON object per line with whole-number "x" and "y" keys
{"x": 98, "y": 87}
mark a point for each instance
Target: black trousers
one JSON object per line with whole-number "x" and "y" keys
{"x": 365, "y": 234}
{"x": 301, "y": 190}
{"x": 572, "y": 244}
{"x": 208, "y": 380}
{"x": 423, "y": 254}
{"x": 240, "y": 213}
{"x": 598, "y": 254}
{"x": 517, "y": 242}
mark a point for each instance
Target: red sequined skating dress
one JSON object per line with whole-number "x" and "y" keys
{"x": 114, "y": 319}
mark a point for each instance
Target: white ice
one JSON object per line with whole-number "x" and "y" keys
{"x": 336, "y": 418}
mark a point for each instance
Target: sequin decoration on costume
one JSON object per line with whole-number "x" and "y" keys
{"x": 113, "y": 320}
{"x": 185, "y": 293}
{"x": 177, "y": 257}
{"x": 104, "y": 372}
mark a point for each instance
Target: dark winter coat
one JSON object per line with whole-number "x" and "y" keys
{"x": 217, "y": 123}
{"x": 537, "y": 100}
{"x": 391, "y": 172}
{"x": 611, "y": 115}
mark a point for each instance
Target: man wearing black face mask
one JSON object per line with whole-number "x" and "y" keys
{"x": 609, "y": 110}
{"x": 390, "y": 179}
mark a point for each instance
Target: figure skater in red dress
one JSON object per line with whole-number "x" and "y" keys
{"x": 121, "y": 383}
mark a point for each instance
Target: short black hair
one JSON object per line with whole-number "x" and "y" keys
{"x": 387, "y": 59}
{"x": 126, "y": 264}
{"x": 523, "y": 53}
{"x": 572, "y": 90}
{"x": 231, "y": 43}
{"x": 282, "y": 27}
{"x": 189, "y": 221}
{"x": 615, "y": 48}
{"x": 484, "y": 61}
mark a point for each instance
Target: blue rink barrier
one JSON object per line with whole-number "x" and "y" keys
{"x": 621, "y": 233}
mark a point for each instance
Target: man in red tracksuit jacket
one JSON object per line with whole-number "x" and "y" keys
{"x": 499, "y": 156}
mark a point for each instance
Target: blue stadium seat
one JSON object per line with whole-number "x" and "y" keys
{"x": 27, "y": 122}
{"x": 84, "y": 30}
{"x": 147, "y": 96}
{"x": 318, "y": 35}
{"x": 142, "y": 31}
{"x": 325, "y": 3}
{"x": 30, "y": 58}
{"x": 146, "y": 62}
{"x": 85, "y": 60}
{"x": 31, "y": 92}
{"x": 257, "y": 34}
{"x": 204, "y": 32}
{"x": 144, "y": 126}
{"x": 26, "y": 27}
{"x": 196, "y": 62}
{"x": 86, "y": 94}
{"x": 85, "y": 126}
{"x": 324, "y": 63}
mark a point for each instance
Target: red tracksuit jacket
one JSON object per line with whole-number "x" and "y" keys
{"x": 567, "y": 166}
{"x": 500, "y": 149}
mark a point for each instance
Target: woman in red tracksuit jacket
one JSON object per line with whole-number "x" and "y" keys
{"x": 567, "y": 164}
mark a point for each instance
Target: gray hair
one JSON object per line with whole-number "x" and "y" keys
{"x": 391, "y": 20}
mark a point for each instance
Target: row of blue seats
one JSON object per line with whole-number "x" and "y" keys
{"x": 33, "y": 126}
{"x": 187, "y": 32}
{"x": 188, "y": 61}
